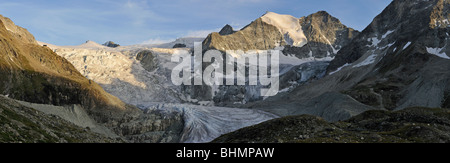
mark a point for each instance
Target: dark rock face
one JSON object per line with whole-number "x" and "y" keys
{"x": 148, "y": 60}
{"x": 414, "y": 21}
{"x": 413, "y": 125}
{"x": 153, "y": 127}
{"x": 406, "y": 30}
{"x": 178, "y": 45}
{"x": 326, "y": 36}
{"x": 227, "y": 30}
{"x": 111, "y": 44}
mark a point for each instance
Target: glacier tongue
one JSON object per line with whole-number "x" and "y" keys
{"x": 204, "y": 124}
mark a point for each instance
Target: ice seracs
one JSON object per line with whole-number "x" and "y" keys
{"x": 119, "y": 72}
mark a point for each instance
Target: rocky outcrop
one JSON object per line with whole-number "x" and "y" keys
{"x": 413, "y": 125}
{"x": 148, "y": 60}
{"x": 111, "y": 44}
{"x": 17, "y": 32}
{"x": 227, "y": 30}
{"x": 178, "y": 45}
{"x": 154, "y": 127}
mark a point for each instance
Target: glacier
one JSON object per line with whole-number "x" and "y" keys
{"x": 120, "y": 73}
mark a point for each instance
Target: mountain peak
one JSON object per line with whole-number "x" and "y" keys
{"x": 322, "y": 13}
{"x": 227, "y": 30}
{"x": 289, "y": 26}
{"x": 322, "y": 16}
{"x": 91, "y": 44}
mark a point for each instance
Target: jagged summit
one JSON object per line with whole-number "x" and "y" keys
{"x": 317, "y": 35}
{"x": 402, "y": 23}
{"x": 227, "y": 30}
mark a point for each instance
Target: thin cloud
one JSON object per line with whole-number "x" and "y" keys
{"x": 157, "y": 41}
{"x": 200, "y": 33}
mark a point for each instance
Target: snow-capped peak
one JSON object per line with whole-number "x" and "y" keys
{"x": 91, "y": 44}
{"x": 289, "y": 26}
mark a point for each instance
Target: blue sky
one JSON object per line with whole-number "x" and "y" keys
{"x": 127, "y": 22}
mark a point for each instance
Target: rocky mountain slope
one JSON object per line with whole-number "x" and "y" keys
{"x": 398, "y": 61}
{"x": 21, "y": 124}
{"x": 412, "y": 125}
{"x": 35, "y": 74}
{"x": 406, "y": 52}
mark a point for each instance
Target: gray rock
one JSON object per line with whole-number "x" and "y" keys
{"x": 148, "y": 60}
{"x": 178, "y": 45}
{"x": 111, "y": 44}
{"x": 227, "y": 30}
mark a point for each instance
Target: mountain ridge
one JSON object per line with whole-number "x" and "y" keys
{"x": 391, "y": 69}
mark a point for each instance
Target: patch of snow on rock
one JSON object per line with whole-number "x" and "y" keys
{"x": 289, "y": 26}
